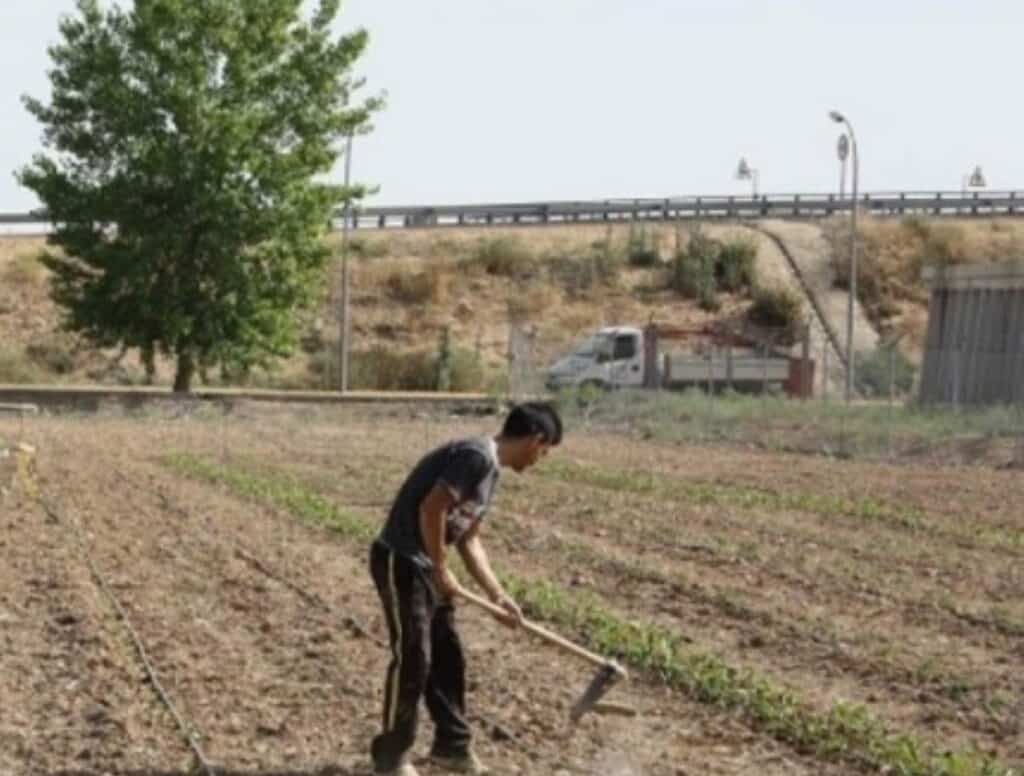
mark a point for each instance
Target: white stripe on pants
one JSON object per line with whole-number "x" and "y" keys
{"x": 396, "y": 672}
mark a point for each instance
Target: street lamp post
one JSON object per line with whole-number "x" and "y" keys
{"x": 839, "y": 118}
{"x": 842, "y": 151}
{"x": 745, "y": 172}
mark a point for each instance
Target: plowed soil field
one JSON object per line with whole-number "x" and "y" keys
{"x": 780, "y": 614}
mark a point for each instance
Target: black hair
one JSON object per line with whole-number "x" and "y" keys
{"x": 532, "y": 418}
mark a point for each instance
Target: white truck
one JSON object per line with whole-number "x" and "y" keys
{"x": 635, "y": 357}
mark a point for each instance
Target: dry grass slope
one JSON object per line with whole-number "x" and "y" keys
{"x": 554, "y": 282}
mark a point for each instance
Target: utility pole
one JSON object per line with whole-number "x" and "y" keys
{"x": 344, "y": 330}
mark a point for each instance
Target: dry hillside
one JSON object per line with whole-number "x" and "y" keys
{"x": 554, "y": 282}
{"x": 893, "y": 252}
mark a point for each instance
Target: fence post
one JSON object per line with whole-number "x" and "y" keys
{"x": 764, "y": 371}
{"x": 956, "y": 378}
{"x": 892, "y": 396}
{"x": 1019, "y": 462}
{"x": 711, "y": 390}
{"x": 510, "y": 356}
{"x": 824, "y": 370}
{"x": 806, "y": 387}
{"x": 892, "y": 375}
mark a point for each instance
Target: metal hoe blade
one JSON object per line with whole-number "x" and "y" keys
{"x": 607, "y": 675}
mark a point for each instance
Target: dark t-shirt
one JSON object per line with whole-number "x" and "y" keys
{"x": 468, "y": 468}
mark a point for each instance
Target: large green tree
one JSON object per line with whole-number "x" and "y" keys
{"x": 188, "y": 141}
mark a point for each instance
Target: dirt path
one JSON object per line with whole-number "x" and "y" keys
{"x": 810, "y": 253}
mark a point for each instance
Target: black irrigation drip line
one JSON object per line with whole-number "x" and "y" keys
{"x": 186, "y": 730}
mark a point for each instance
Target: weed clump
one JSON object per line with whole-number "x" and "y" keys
{"x": 430, "y": 285}
{"x": 778, "y": 309}
{"x": 693, "y": 272}
{"x": 642, "y": 247}
{"x": 706, "y": 267}
{"x": 595, "y": 266}
{"x": 503, "y": 257}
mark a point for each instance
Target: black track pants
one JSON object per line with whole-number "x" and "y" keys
{"x": 427, "y": 661}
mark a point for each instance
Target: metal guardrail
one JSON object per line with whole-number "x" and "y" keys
{"x": 673, "y": 208}
{"x": 936, "y": 203}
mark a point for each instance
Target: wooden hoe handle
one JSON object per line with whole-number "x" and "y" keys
{"x": 544, "y": 633}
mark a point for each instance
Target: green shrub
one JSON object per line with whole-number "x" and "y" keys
{"x": 605, "y": 261}
{"x": 779, "y": 309}
{"x": 707, "y": 266}
{"x": 600, "y": 265}
{"x": 876, "y": 368}
{"x": 693, "y": 270}
{"x": 641, "y": 247}
{"x": 736, "y": 267}
{"x": 708, "y": 299}
{"x": 504, "y": 256}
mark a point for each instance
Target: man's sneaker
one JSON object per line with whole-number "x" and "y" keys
{"x": 405, "y": 769}
{"x": 460, "y": 763}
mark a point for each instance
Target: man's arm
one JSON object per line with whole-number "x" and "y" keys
{"x": 479, "y": 566}
{"x": 433, "y": 511}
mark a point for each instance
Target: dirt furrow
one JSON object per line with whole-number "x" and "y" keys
{"x": 74, "y": 693}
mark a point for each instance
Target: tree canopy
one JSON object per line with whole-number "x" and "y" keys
{"x": 189, "y": 144}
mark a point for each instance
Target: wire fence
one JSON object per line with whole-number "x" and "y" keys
{"x": 774, "y": 391}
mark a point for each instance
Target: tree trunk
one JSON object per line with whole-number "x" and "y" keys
{"x": 185, "y": 372}
{"x": 149, "y": 362}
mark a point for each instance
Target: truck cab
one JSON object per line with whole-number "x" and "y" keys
{"x": 610, "y": 357}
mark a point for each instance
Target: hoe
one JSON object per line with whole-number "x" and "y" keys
{"x": 609, "y": 672}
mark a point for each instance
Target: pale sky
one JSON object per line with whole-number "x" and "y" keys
{"x": 512, "y": 100}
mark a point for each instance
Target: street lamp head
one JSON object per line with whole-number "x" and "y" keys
{"x": 743, "y": 171}
{"x": 977, "y": 179}
{"x": 836, "y": 116}
{"x": 843, "y": 147}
